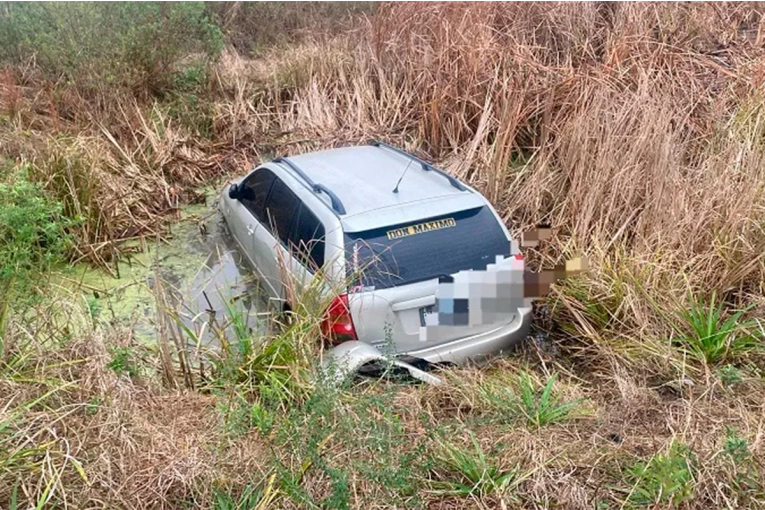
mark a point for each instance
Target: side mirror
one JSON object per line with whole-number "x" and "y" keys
{"x": 233, "y": 191}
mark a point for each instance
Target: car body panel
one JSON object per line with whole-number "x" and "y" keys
{"x": 480, "y": 346}
{"x": 266, "y": 254}
{"x": 391, "y": 318}
{"x": 365, "y": 176}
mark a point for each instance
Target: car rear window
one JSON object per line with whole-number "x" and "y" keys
{"x": 425, "y": 249}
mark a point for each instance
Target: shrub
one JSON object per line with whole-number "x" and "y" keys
{"x": 33, "y": 230}
{"x": 746, "y": 479}
{"x": 123, "y": 361}
{"x": 136, "y": 45}
{"x": 253, "y": 26}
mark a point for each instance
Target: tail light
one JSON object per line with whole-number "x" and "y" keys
{"x": 338, "y": 323}
{"x": 518, "y": 256}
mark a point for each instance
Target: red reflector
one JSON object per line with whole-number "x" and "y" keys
{"x": 338, "y": 323}
{"x": 518, "y": 256}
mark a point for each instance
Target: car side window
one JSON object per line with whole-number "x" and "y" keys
{"x": 255, "y": 189}
{"x": 307, "y": 238}
{"x": 281, "y": 210}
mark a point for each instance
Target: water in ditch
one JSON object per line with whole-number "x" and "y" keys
{"x": 194, "y": 286}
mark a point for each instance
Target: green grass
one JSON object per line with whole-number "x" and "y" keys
{"x": 709, "y": 336}
{"x": 473, "y": 474}
{"x": 342, "y": 437}
{"x": 665, "y": 479}
{"x": 252, "y": 497}
{"x": 523, "y": 397}
{"x": 145, "y": 42}
{"x": 542, "y": 407}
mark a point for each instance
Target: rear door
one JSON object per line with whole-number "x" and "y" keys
{"x": 395, "y": 272}
{"x": 278, "y": 218}
{"x": 292, "y": 245}
{"x": 303, "y": 251}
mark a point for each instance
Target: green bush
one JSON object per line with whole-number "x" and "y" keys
{"x": 136, "y": 45}
{"x": 33, "y": 230}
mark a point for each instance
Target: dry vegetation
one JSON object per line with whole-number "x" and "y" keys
{"x": 636, "y": 130}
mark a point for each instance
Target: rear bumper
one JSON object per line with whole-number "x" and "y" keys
{"x": 478, "y": 347}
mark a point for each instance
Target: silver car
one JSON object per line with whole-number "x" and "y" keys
{"x": 381, "y": 228}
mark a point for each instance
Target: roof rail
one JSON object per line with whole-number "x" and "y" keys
{"x": 317, "y": 188}
{"x": 425, "y": 166}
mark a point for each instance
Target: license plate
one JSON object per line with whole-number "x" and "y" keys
{"x": 425, "y": 311}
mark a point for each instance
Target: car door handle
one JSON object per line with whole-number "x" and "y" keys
{"x": 250, "y": 230}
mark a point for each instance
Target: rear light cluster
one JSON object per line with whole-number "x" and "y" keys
{"x": 338, "y": 323}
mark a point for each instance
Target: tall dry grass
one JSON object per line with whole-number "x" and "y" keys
{"x": 122, "y": 170}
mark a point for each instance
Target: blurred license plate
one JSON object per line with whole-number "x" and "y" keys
{"x": 426, "y": 310}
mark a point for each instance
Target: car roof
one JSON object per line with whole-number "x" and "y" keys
{"x": 363, "y": 178}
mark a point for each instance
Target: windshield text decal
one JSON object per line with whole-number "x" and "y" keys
{"x": 421, "y": 227}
